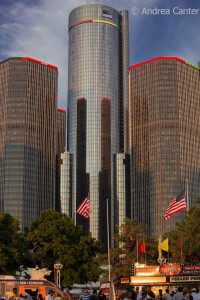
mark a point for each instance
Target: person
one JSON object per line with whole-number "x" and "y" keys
{"x": 139, "y": 295}
{"x": 13, "y": 294}
{"x": 85, "y": 295}
{"x": 94, "y": 295}
{"x": 173, "y": 293}
{"x": 134, "y": 294}
{"x": 167, "y": 295}
{"x": 145, "y": 296}
{"x": 160, "y": 295}
{"x": 131, "y": 290}
{"x": 197, "y": 290}
{"x": 194, "y": 294}
{"x": 137, "y": 290}
{"x": 57, "y": 297}
{"x": 179, "y": 294}
{"x": 39, "y": 297}
{"x": 150, "y": 293}
{"x": 101, "y": 295}
{"x": 186, "y": 295}
{"x": 49, "y": 296}
{"x": 67, "y": 295}
{"x": 128, "y": 296}
{"x": 24, "y": 296}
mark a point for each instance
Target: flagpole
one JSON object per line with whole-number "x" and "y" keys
{"x": 90, "y": 202}
{"x": 108, "y": 242}
{"x": 187, "y": 197}
{"x": 181, "y": 248}
{"x": 168, "y": 254}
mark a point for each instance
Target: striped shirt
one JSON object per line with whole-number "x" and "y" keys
{"x": 85, "y": 296}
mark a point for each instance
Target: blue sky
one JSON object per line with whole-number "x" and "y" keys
{"x": 38, "y": 28}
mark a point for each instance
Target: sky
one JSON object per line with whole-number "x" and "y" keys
{"x": 39, "y": 29}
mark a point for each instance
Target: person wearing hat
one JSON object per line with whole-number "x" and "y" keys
{"x": 50, "y": 295}
{"x": 194, "y": 294}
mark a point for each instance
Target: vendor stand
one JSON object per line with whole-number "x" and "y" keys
{"x": 168, "y": 275}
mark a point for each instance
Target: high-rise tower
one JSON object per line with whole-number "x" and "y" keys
{"x": 28, "y": 101}
{"x": 60, "y": 141}
{"x": 165, "y": 138}
{"x": 98, "y": 106}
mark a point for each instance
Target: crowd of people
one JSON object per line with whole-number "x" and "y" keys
{"x": 128, "y": 294}
{"x": 147, "y": 294}
{"x": 144, "y": 294}
{"x": 85, "y": 295}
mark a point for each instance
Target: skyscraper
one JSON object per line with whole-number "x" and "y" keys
{"x": 60, "y": 140}
{"x": 66, "y": 184}
{"x": 28, "y": 101}
{"x": 164, "y": 138}
{"x": 98, "y": 106}
{"x": 61, "y": 130}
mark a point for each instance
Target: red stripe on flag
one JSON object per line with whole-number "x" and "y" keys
{"x": 84, "y": 208}
{"x": 175, "y": 206}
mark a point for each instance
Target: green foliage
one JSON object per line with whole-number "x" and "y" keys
{"x": 123, "y": 256}
{"x": 12, "y": 245}
{"x": 54, "y": 237}
{"x": 189, "y": 230}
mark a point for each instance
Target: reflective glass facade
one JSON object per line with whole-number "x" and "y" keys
{"x": 28, "y": 101}
{"x": 60, "y": 141}
{"x": 124, "y": 90}
{"x": 164, "y": 139}
{"x": 61, "y": 130}
{"x": 95, "y": 98}
{"x": 66, "y": 184}
{"x": 122, "y": 188}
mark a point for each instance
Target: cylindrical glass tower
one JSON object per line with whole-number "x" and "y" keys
{"x": 94, "y": 97}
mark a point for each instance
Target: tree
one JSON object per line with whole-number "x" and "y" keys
{"x": 54, "y": 237}
{"x": 124, "y": 256}
{"x": 188, "y": 230}
{"x": 12, "y": 245}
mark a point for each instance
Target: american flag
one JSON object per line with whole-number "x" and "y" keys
{"x": 176, "y": 205}
{"x": 84, "y": 208}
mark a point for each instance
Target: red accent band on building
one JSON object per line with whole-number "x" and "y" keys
{"x": 81, "y": 99}
{"x": 157, "y": 58}
{"x": 61, "y": 110}
{"x": 82, "y": 22}
{"x": 39, "y": 62}
{"x": 106, "y": 99}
